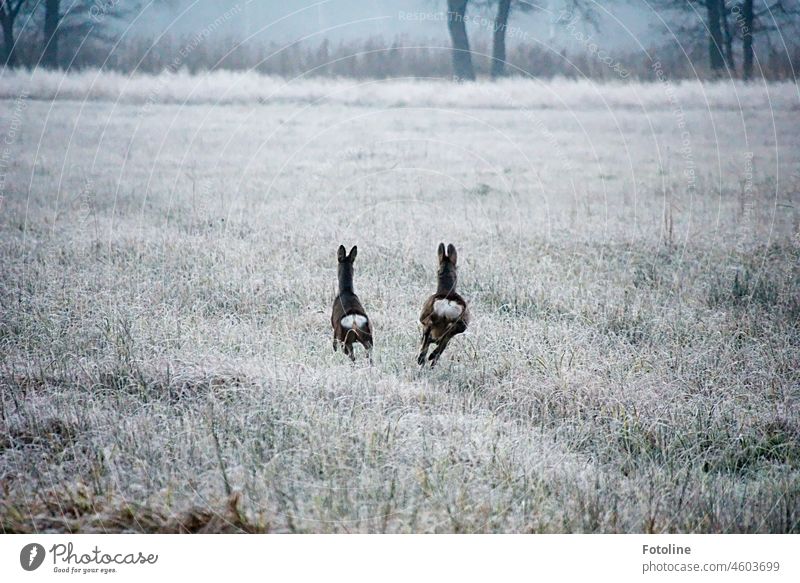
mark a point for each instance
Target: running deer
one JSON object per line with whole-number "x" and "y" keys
{"x": 445, "y": 314}
{"x": 349, "y": 320}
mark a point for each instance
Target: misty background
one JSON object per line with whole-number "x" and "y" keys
{"x": 348, "y": 20}
{"x": 415, "y": 38}
{"x": 616, "y": 39}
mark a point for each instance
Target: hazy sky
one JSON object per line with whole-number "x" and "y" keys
{"x": 290, "y": 20}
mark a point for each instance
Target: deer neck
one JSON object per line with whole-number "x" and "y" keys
{"x": 345, "y": 278}
{"x": 447, "y": 282}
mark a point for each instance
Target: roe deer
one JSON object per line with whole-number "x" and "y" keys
{"x": 445, "y": 314}
{"x": 349, "y": 320}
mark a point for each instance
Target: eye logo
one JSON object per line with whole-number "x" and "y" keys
{"x": 31, "y": 556}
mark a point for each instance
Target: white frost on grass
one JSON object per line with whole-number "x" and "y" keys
{"x": 225, "y": 87}
{"x": 166, "y": 277}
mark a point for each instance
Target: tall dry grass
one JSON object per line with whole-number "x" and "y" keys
{"x": 166, "y": 361}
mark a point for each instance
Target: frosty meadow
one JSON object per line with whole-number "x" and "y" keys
{"x": 630, "y": 253}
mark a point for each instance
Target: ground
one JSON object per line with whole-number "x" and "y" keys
{"x": 632, "y": 267}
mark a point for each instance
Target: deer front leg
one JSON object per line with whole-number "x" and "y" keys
{"x": 426, "y": 342}
{"x": 434, "y": 357}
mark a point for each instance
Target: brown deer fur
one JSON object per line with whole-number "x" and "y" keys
{"x": 445, "y": 313}
{"x": 349, "y": 320}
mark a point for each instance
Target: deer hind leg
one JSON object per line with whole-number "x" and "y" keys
{"x": 456, "y": 327}
{"x": 434, "y": 357}
{"x": 368, "y": 349}
{"x": 366, "y": 342}
{"x": 423, "y": 351}
{"x": 348, "y": 350}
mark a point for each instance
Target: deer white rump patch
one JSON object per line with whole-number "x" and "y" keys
{"x": 449, "y": 309}
{"x": 354, "y": 321}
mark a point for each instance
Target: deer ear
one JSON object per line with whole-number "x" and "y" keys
{"x": 353, "y": 253}
{"x": 441, "y": 252}
{"x": 452, "y": 254}
{"x": 341, "y": 253}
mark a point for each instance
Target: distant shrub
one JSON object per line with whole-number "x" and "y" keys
{"x": 379, "y": 58}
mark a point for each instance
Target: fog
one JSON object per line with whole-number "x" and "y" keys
{"x": 623, "y": 25}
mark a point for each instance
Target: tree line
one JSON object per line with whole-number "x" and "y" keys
{"x": 727, "y": 23}
{"x": 712, "y": 37}
{"x": 722, "y": 22}
{"x": 74, "y": 23}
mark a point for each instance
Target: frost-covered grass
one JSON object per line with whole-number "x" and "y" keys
{"x": 249, "y": 88}
{"x": 166, "y": 273}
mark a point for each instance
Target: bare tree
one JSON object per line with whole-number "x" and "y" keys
{"x": 462, "y": 58}
{"x": 84, "y": 23}
{"x": 9, "y": 10}
{"x": 503, "y": 10}
{"x": 500, "y": 32}
{"x": 499, "y": 39}
{"x": 715, "y": 11}
{"x": 747, "y": 39}
{"x": 710, "y": 29}
{"x": 727, "y": 34}
{"x": 456, "y": 16}
{"x": 52, "y": 17}
{"x": 727, "y": 21}
{"x": 763, "y": 17}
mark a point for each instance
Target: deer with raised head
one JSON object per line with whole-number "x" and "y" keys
{"x": 445, "y": 313}
{"x": 349, "y": 320}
